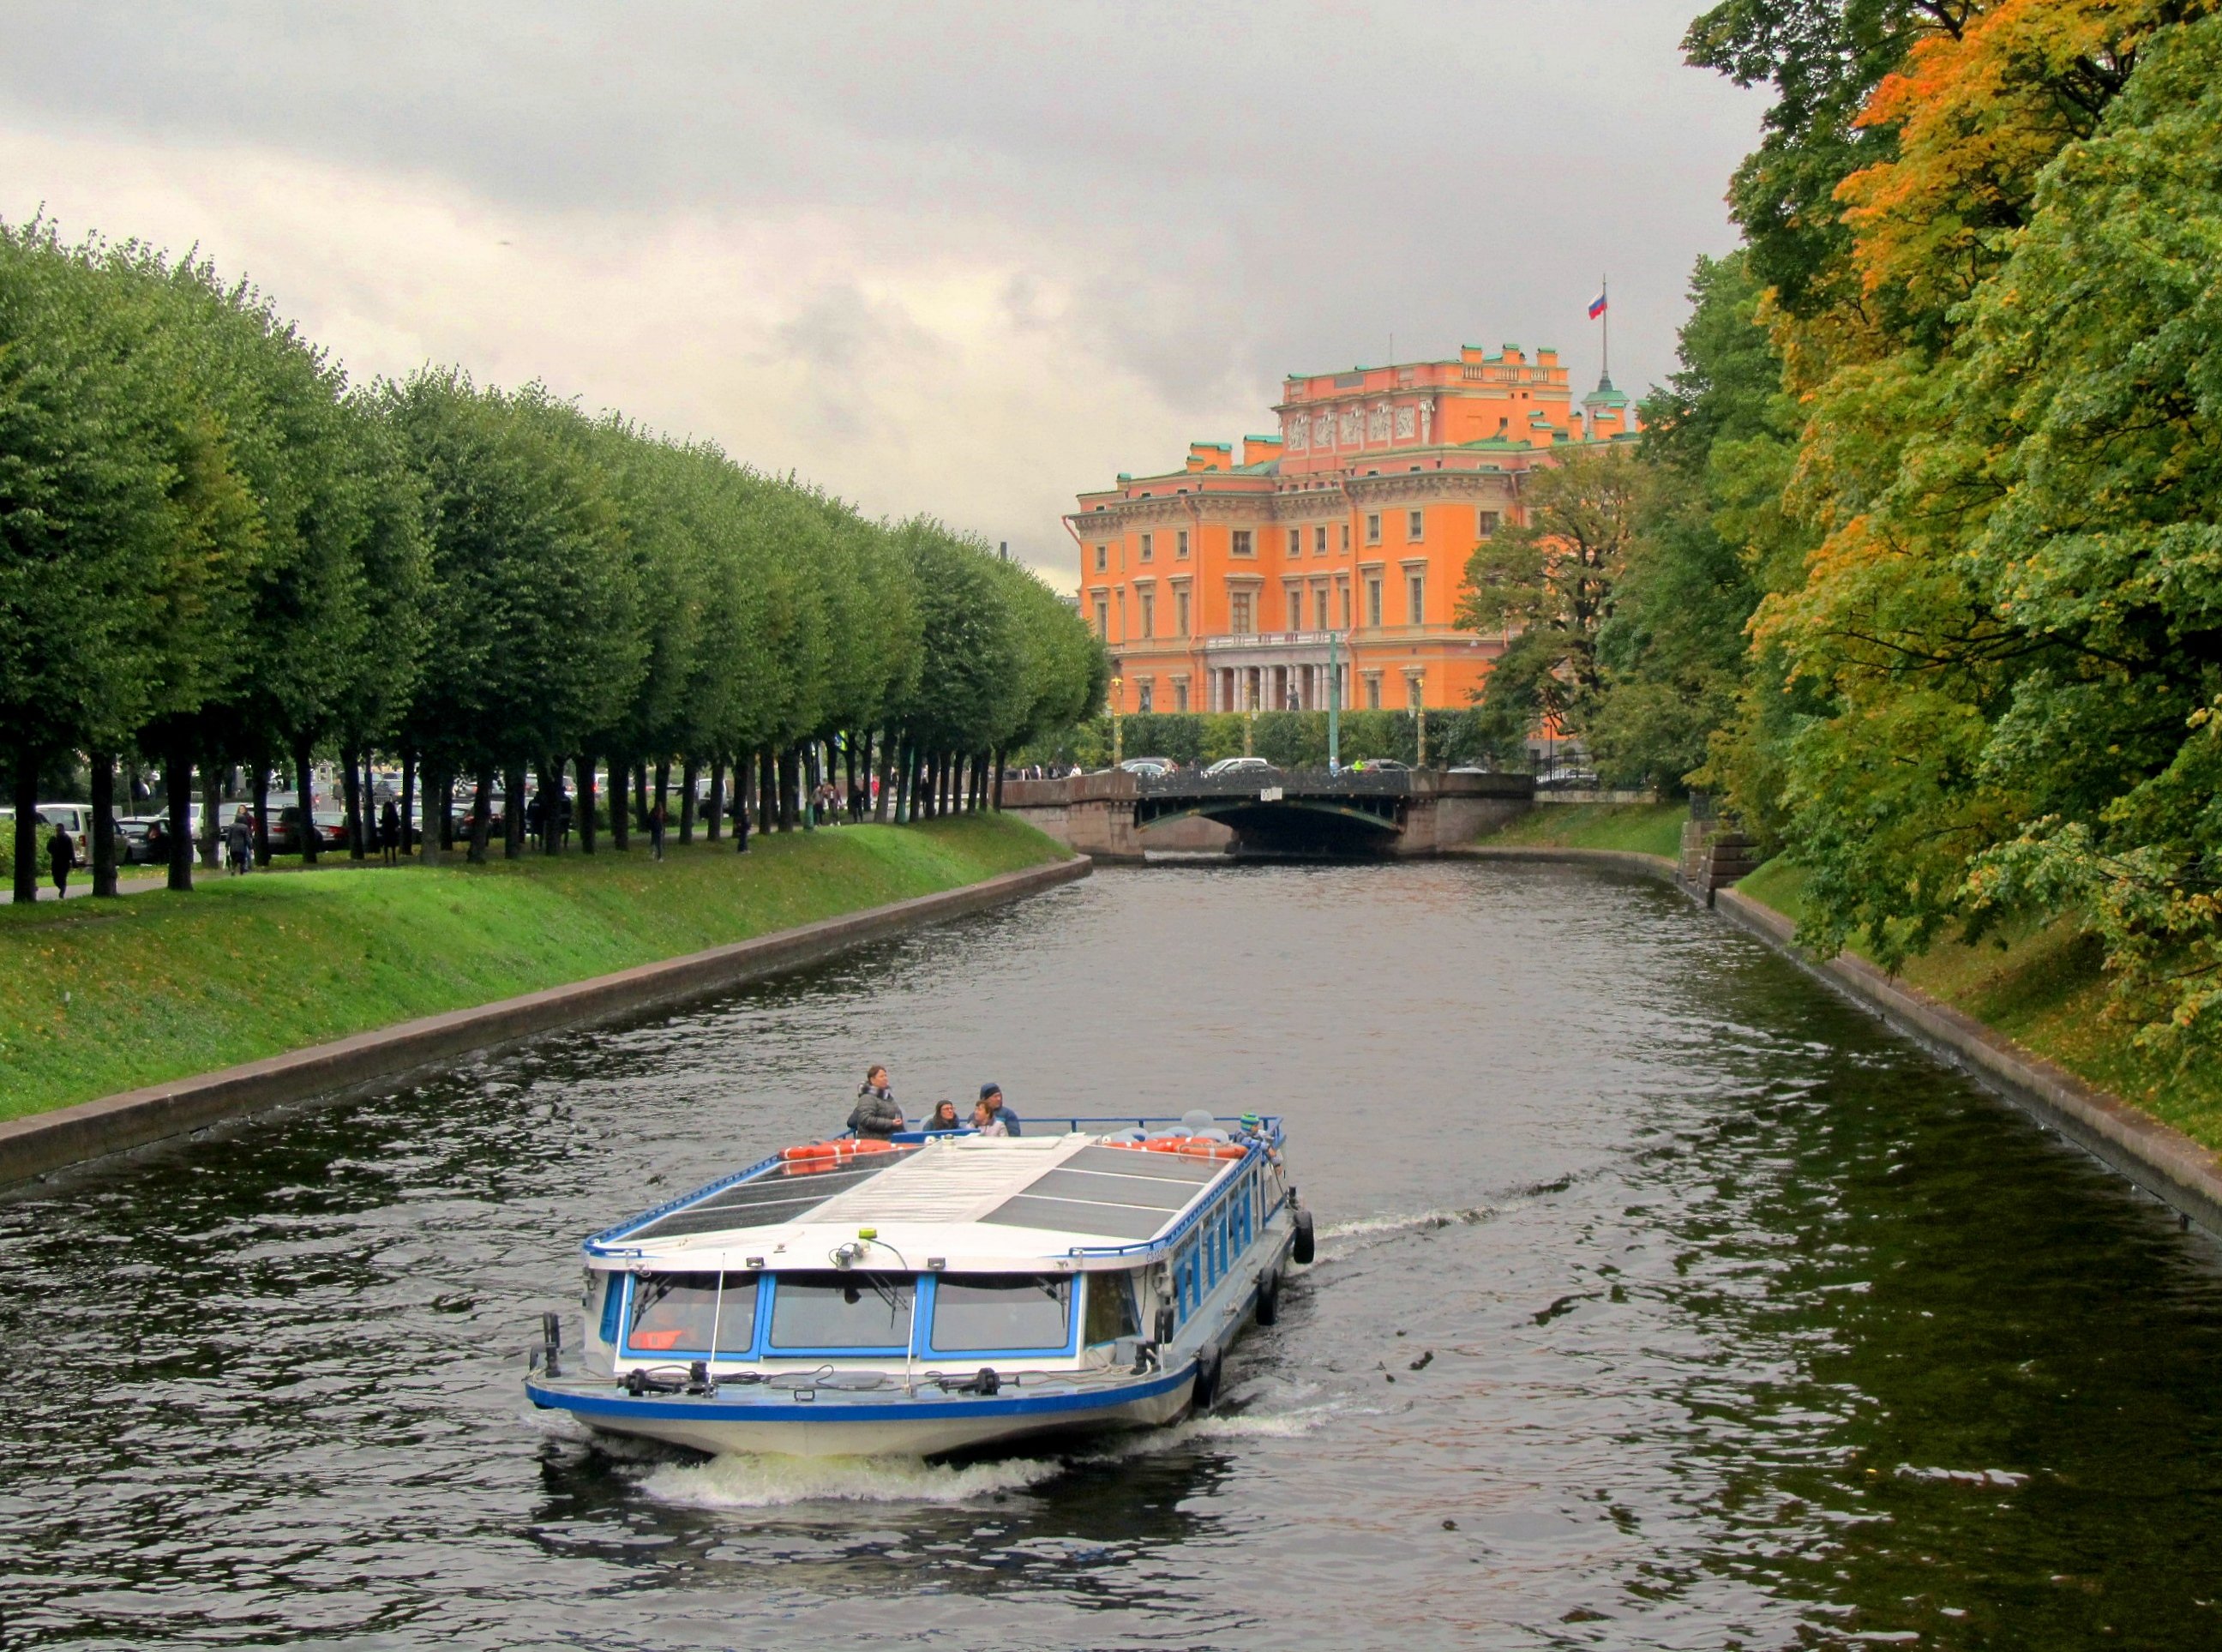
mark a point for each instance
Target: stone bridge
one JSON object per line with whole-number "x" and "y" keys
{"x": 1115, "y": 815}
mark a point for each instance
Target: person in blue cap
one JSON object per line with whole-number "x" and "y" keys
{"x": 991, "y": 1105}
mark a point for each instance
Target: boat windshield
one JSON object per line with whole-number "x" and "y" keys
{"x": 814, "y": 1312}
{"x": 674, "y": 1313}
{"x": 980, "y": 1312}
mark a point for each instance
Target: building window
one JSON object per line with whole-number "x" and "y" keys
{"x": 1102, "y": 557}
{"x": 1487, "y": 524}
{"x": 1148, "y": 695}
{"x": 1373, "y": 601}
{"x": 1241, "y": 612}
{"x": 1373, "y": 691}
{"x": 1342, "y": 594}
{"x": 1373, "y": 528}
{"x": 1296, "y": 595}
{"x": 1149, "y": 545}
{"x": 1415, "y": 524}
{"x": 1319, "y": 606}
{"x": 1180, "y": 547}
{"x": 1103, "y": 618}
{"x": 1180, "y": 693}
{"x": 1149, "y": 614}
{"x": 1416, "y": 597}
{"x": 1180, "y": 610}
{"x": 1242, "y": 545}
{"x": 1346, "y": 535}
{"x": 1319, "y": 540}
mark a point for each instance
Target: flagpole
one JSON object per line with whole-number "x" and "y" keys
{"x": 1605, "y": 292}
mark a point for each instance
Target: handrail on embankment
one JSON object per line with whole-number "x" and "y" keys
{"x": 45, "y": 1141}
{"x": 2156, "y": 1157}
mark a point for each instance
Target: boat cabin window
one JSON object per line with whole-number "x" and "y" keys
{"x": 978, "y": 1312}
{"x": 673, "y": 1313}
{"x": 1111, "y": 1308}
{"x": 842, "y": 1310}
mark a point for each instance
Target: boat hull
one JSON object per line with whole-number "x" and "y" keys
{"x": 832, "y": 1425}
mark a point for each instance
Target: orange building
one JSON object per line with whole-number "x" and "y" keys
{"x": 1216, "y": 586}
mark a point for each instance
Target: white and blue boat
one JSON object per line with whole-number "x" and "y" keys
{"x": 935, "y": 1293}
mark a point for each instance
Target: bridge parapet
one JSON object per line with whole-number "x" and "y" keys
{"x": 1116, "y": 814}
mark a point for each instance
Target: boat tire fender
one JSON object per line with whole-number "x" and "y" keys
{"x": 1306, "y": 1246}
{"x": 1269, "y": 1298}
{"x": 1205, "y": 1395}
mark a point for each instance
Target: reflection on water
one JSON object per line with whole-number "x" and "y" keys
{"x": 1663, "y": 1300}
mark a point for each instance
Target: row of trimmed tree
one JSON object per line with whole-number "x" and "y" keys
{"x": 216, "y": 552}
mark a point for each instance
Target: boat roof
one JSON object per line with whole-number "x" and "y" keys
{"x": 958, "y": 1201}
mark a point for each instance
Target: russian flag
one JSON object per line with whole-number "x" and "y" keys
{"x": 1596, "y": 308}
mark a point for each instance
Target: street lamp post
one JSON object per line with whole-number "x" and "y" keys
{"x": 1118, "y": 734}
{"x": 1334, "y": 703}
{"x": 1422, "y": 762}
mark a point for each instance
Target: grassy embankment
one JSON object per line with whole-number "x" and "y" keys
{"x": 100, "y": 997}
{"x": 2044, "y": 988}
{"x": 1646, "y": 828}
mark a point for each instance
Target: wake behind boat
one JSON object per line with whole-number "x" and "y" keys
{"x": 932, "y": 1293}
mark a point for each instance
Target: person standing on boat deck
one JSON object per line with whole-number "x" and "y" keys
{"x": 943, "y": 1118}
{"x": 876, "y": 1113}
{"x": 991, "y": 1097}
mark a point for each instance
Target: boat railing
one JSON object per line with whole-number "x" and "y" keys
{"x": 1103, "y": 1123}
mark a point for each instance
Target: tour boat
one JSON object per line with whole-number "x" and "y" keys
{"x": 935, "y": 1293}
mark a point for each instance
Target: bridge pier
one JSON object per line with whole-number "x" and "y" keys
{"x": 1115, "y": 817}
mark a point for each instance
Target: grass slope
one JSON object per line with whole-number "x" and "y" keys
{"x": 1646, "y": 828}
{"x": 100, "y": 997}
{"x": 2045, "y": 989}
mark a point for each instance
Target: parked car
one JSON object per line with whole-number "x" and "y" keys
{"x": 1240, "y": 766}
{"x": 286, "y": 830}
{"x": 1381, "y": 766}
{"x": 1147, "y": 768}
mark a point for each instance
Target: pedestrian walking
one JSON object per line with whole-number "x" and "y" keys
{"x": 389, "y": 833}
{"x": 61, "y": 860}
{"x": 239, "y": 843}
{"x": 655, "y": 831}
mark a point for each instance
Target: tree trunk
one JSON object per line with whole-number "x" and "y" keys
{"x": 717, "y": 808}
{"x": 512, "y": 811}
{"x": 305, "y": 788}
{"x": 620, "y": 821}
{"x": 587, "y": 803}
{"x": 259, "y": 792}
{"x": 177, "y": 782}
{"x": 432, "y": 836}
{"x": 211, "y": 808}
{"x": 352, "y": 787}
{"x": 408, "y": 803}
{"x": 690, "y": 773}
{"x": 807, "y": 779}
{"x": 741, "y": 817}
{"x": 787, "y": 766}
{"x": 767, "y": 792}
{"x": 885, "y": 801}
{"x": 664, "y": 793}
{"x": 996, "y": 757}
{"x": 640, "y": 795}
{"x": 481, "y": 813}
{"x": 104, "y": 823}
{"x": 25, "y": 879}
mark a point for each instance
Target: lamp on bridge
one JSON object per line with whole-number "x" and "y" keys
{"x": 1118, "y": 740}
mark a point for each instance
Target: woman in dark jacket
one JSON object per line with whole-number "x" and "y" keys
{"x": 61, "y": 859}
{"x": 876, "y": 1113}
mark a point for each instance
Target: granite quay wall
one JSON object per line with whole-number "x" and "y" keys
{"x": 45, "y": 1141}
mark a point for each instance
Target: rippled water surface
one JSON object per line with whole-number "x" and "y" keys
{"x": 1663, "y": 1300}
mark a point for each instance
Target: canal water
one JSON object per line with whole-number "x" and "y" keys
{"x": 1663, "y": 1300}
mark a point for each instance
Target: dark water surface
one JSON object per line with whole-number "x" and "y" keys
{"x": 1665, "y": 1300}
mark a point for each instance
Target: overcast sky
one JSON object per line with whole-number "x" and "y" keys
{"x": 967, "y": 258}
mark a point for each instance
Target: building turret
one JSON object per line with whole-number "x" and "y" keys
{"x": 1607, "y": 410}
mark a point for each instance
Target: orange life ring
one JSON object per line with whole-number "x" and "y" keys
{"x": 1193, "y": 1147}
{"x": 841, "y": 1148}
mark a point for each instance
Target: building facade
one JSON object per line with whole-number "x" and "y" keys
{"x": 1227, "y": 585}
